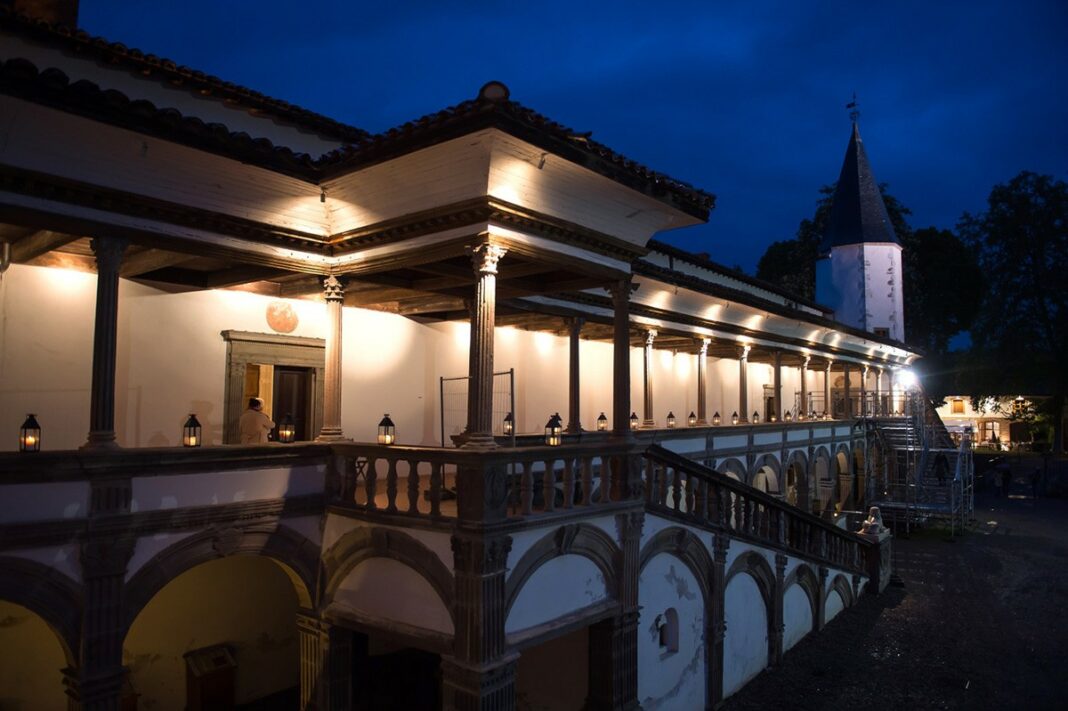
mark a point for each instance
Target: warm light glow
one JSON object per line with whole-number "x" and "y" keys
{"x": 543, "y": 342}
{"x": 387, "y": 431}
{"x": 692, "y": 420}
{"x": 671, "y": 419}
{"x": 30, "y": 435}
{"x": 602, "y": 423}
{"x": 554, "y": 430}
{"x": 734, "y": 418}
{"x": 715, "y": 419}
{"x": 634, "y": 421}
{"x": 906, "y": 379}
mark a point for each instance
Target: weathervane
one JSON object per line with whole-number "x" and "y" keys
{"x": 854, "y": 108}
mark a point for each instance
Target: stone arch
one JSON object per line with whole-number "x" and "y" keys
{"x": 796, "y": 480}
{"x": 804, "y": 576}
{"x": 367, "y": 542}
{"x": 49, "y": 594}
{"x": 689, "y": 549}
{"x": 843, "y": 476}
{"x": 573, "y": 539}
{"x": 860, "y": 469}
{"x": 823, "y": 481}
{"x": 766, "y": 474}
{"x": 842, "y": 586}
{"x": 733, "y": 468}
{"x": 757, "y": 566}
{"x": 297, "y": 556}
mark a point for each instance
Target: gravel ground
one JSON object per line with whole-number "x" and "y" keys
{"x": 980, "y": 623}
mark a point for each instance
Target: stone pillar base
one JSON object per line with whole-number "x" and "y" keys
{"x": 331, "y": 434}
{"x": 878, "y": 564}
{"x": 478, "y": 687}
{"x": 102, "y": 440}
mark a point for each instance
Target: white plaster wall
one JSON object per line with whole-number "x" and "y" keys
{"x": 147, "y": 547}
{"x": 722, "y": 388}
{"x": 385, "y": 588}
{"x": 670, "y": 680}
{"x": 745, "y": 644}
{"x": 833, "y": 605}
{"x": 522, "y": 541}
{"x": 308, "y": 526}
{"x": 557, "y": 588}
{"x": 204, "y": 489}
{"x": 884, "y": 290}
{"x": 438, "y": 543}
{"x": 37, "y": 502}
{"x": 66, "y": 559}
{"x": 796, "y": 615}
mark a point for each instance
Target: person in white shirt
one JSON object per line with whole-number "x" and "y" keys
{"x": 254, "y": 424}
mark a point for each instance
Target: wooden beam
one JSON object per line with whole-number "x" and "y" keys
{"x": 149, "y": 260}
{"x": 39, "y": 243}
{"x": 240, "y": 275}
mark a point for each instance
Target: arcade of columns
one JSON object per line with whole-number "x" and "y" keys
{"x": 485, "y": 257}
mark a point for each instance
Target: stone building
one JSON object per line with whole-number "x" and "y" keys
{"x": 174, "y": 244}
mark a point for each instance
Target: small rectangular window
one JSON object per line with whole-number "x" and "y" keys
{"x": 882, "y": 332}
{"x": 958, "y": 406}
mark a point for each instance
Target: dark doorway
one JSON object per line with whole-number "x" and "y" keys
{"x": 292, "y": 397}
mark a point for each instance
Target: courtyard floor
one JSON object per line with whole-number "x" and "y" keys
{"x": 981, "y": 622}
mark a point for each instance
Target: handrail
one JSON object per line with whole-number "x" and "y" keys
{"x": 684, "y": 489}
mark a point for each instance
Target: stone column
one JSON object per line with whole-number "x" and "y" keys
{"x": 864, "y": 410}
{"x": 621, "y": 358}
{"x": 717, "y": 624}
{"x": 821, "y": 599}
{"x": 743, "y": 384}
{"x": 848, "y": 413}
{"x": 649, "y": 419}
{"x": 702, "y": 383}
{"x": 484, "y": 257}
{"x": 879, "y": 411}
{"x": 776, "y": 623}
{"x": 827, "y": 391}
{"x": 334, "y": 294}
{"x": 479, "y": 676}
{"x": 574, "y": 424}
{"x": 326, "y": 656}
{"x": 613, "y": 643}
{"x": 777, "y": 375}
{"x": 803, "y": 411}
{"x": 108, "y": 251}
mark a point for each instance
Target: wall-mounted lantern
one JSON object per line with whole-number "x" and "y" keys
{"x": 602, "y": 423}
{"x": 287, "y": 431}
{"x": 554, "y": 431}
{"x": 191, "y": 432}
{"x": 734, "y": 417}
{"x": 634, "y": 420}
{"x": 30, "y": 435}
{"x": 509, "y": 424}
{"x": 756, "y": 418}
{"x": 715, "y": 419}
{"x": 692, "y": 420}
{"x": 671, "y": 419}
{"x": 387, "y": 431}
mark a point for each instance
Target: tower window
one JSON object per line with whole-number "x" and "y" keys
{"x": 882, "y": 332}
{"x": 958, "y": 406}
{"x": 668, "y": 626}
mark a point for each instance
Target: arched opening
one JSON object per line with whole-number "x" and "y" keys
{"x": 862, "y": 479}
{"x": 797, "y": 485}
{"x": 31, "y": 661}
{"x": 796, "y": 615}
{"x": 246, "y": 603}
{"x": 745, "y": 643}
{"x": 766, "y": 480}
{"x": 844, "y": 480}
{"x": 824, "y": 483}
{"x": 732, "y": 468}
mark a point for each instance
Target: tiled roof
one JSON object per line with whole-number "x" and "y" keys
{"x": 83, "y": 44}
{"x": 493, "y": 109}
{"x": 858, "y": 213}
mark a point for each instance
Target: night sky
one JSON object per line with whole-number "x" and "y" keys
{"x": 745, "y": 100}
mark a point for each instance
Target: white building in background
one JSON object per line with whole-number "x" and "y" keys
{"x": 174, "y": 245}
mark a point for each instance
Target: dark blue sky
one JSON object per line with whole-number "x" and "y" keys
{"x": 742, "y": 99}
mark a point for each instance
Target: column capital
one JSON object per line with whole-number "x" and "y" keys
{"x": 743, "y": 352}
{"x": 704, "y": 343}
{"x": 650, "y": 336}
{"x": 333, "y": 288}
{"x": 805, "y": 361}
{"x": 108, "y": 252}
{"x": 575, "y": 324}
{"x": 484, "y": 257}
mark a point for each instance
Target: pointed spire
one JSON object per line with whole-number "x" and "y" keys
{"x": 858, "y": 213}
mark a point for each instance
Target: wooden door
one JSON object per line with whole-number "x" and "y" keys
{"x": 292, "y": 396}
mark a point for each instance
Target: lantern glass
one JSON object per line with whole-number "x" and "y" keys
{"x": 715, "y": 419}
{"x": 509, "y": 424}
{"x": 671, "y": 419}
{"x": 191, "y": 432}
{"x": 287, "y": 431}
{"x": 756, "y": 417}
{"x": 773, "y": 418}
{"x": 554, "y": 431}
{"x": 602, "y": 423}
{"x": 734, "y": 418}
{"x": 387, "y": 431}
{"x": 692, "y": 420}
{"x": 634, "y": 420}
{"x": 30, "y": 435}
{"x": 788, "y": 417}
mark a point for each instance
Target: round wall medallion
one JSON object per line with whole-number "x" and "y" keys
{"x": 281, "y": 317}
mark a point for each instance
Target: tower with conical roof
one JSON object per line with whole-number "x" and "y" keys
{"x": 859, "y": 272}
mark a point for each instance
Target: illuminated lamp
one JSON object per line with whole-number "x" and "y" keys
{"x": 554, "y": 430}
{"x": 387, "y": 431}
{"x": 191, "y": 436}
{"x": 756, "y": 418}
{"x": 812, "y": 415}
{"x": 671, "y": 419}
{"x": 602, "y": 423}
{"x": 634, "y": 421}
{"x": 734, "y": 417}
{"x": 692, "y": 420}
{"x": 715, "y": 419}
{"x": 287, "y": 431}
{"x": 788, "y": 417}
{"x": 509, "y": 424}
{"x": 30, "y": 435}
{"x": 773, "y": 418}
